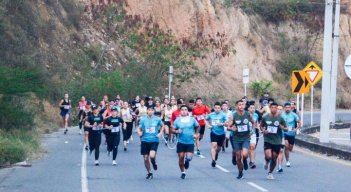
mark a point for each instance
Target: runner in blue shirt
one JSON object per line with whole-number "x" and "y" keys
{"x": 150, "y": 130}
{"x": 216, "y": 122}
{"x": 292, "y": 120}
{"x": 188, "y": 129}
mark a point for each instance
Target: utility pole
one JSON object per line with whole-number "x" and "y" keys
{"x": 326, "y": 81}
{"x": 170, "y": 79}
{"x": 335, "y": 59}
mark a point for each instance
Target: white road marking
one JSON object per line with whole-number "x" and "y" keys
{"x": 83, "y": 170}
{"x": 257, "y": 187}
{"x": 222, "y": 169}
{"x": 341, "y": 139}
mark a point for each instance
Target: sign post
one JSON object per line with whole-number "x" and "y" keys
{"x": 314, "y": 74}
{"x": 170, "y": 79}
{"x": 246, "y": 78}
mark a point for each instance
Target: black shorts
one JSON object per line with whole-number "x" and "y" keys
{"x": 202, "y": 130}
{"x": 219, "y": 139}
{"x": 274, "y": 148}
{"x": 168, "y": 123}
{"x": 290, "y": 139}
{"x": 185, "y": 148}
{"x": 146, "y": 147}
{"x": 86, "y": 129}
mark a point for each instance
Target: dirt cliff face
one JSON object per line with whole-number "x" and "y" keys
{"x": 253, "y": 43}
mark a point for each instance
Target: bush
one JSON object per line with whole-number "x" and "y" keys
{"x": 16, "y": 146}
{"x": 258, "y": 88}
{"x": 290, "y": 62}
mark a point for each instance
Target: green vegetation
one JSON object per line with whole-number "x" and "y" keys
{"x": 17, "y": 145}
{"x": 258, "y": 88}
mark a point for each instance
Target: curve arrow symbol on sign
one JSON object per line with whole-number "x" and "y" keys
{"x": 300, "y": 82}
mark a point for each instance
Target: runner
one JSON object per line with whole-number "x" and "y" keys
{"x": 216, "y": 121}
{"x": 291, "y": 119}
{"x": 253, "y": 140}
{"x": 107, "y": 132}
{"x": 81, "y": 106}
{"x": 281, "y": 153}
{"x": 229, "y": 115}
{"x": 94, "y": 123}
{"x": 65, "y": 107}
{"x": 167, "y": 119}
{"x": 199, "y": 112}
{"x": 158, "y": 110}
{"x": 272, "y": 126}
{"x": 191, "y": 106}
{"x": 241, "y": 136}
{"x": 114, "y": 123}
{"x": 188, "y": 129}
{"x": 150, "y": 130}
{"x": 141, "y": 111}
{"x": 126, "y": 114}
{"x": 87, "y": 112}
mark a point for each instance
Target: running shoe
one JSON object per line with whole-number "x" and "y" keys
{"x": 108, "y": 153}
{"x": 125, "y": 149}
{"x": 65, "y": 132}
{"x": 149, "y": 176}
{"x": 266, "y": 165}
{"x": 270, "y": 176}
{"x": 198, "y": 152}
{"x": 80, "y": 132}
{"x": 182, "y": 176}
{"x": 288, "y": 163}
{"x": 186, "y": 164}
{"x": 86, "y": 147}
{"x": 252, "y": 165}
{"x": 245, "y": 164}
{"x": 240, "y": 175}
{"x": 114, "y": 162}
{"x": 213, "y": 164}
{"x": 280, "y": 170}
{"x": 96, "y": 163}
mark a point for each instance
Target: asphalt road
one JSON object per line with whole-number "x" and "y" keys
{"x": 63, "y": 169}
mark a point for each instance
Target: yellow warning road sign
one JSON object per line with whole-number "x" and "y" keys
{"x": 300, "y": 83}
{"x": 314, "y": 73}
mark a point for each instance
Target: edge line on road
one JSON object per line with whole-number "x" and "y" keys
{"x": 222, "y": 169}
{"x": 257, "y": 187}
{"x": 83, "y": 170}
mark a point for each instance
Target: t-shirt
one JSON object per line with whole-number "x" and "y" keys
{"x": 175, "y": 114}
{"x": 272, "y": 125}
{"x": 95, "y": 119}
{"x": 150, "y": 128}
{"x": 188, "y": 126}
{"x": 126, "y": 115}
{"x": 242, "y": 124}
{"x": 200, "y": 112}
{"x": 215, "y": 119}
{"x": 116, "y": 123}
{"x": 291, "y": 120}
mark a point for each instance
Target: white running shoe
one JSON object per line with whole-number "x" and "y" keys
{"x": 288, "y": 163}
{"x": 270, "y": 176}
{"x": 114, "y": 162}
{"x": 96, "y": 163}
{"x": 80, "y": 132}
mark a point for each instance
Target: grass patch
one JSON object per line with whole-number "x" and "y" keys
{"x": 17, "y": 145}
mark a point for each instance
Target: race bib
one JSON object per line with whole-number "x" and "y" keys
{"x": 185, "y": 119}
{"x": 82, "y": 108}
{"x": 115, "y": 129}
{"x": 200, "y": 117}
{"x": 242, "y": 128}
{"x": 137, "y": 105}
{"x": 150, "y": 130}
{"x": 272, "y": 129}
{"x": 66, "y": 106}
{"x": 96, "y": 128}
{"x": 169, "y": 116}
{"x": 290, "y": 128}
{"x": 215, "y": 122}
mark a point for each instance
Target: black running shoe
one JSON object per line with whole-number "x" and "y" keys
{"x": 240, "y": 175}
{"x": 65, "y": 132}
{"x": 213, "y": 163}
{"x": 149, "y": 176}
{"x": 182, "y": 176}
{"x": 245, "y": 164}
{"x": 186, "y": 165}
{"x": 234, "y": 160}
{"x": 125, "y": 149}
{"x": 86, "y": 147}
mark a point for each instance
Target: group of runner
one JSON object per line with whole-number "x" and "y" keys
{"x": 152, "y": 118}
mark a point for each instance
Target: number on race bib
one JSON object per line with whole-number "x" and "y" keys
{"x": 82, "y": 107}
{"x": 272, "y": 129}
{"x": 185, "y": 119}
{"x": 96, "y": 128}
{"x": 200, "y": 117}
{"x": 150, "y": 130}
{"x": 215, "y": 122}
{"x": 242, "y": 128}
{"x": 66, "y": 107}
{"x": 115, "y": 129}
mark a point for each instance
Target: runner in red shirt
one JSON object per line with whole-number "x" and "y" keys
{"x": 176, "y": 113}
{"x": 199, "y": 112}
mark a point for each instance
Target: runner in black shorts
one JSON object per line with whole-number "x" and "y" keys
{"x": 272, "y": 126}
